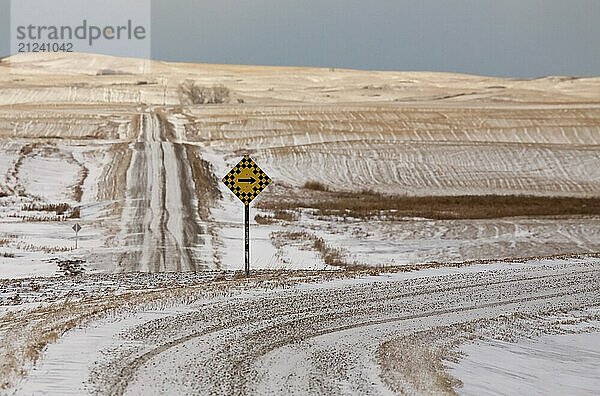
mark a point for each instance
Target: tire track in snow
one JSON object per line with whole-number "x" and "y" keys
{"x": 158, "y": 221}
{"x": 225, "y": 352}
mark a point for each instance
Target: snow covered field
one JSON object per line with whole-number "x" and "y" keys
{"x": 278, "y": 332}
{"x": 119, "y": 154}
{"x": 550, "y": 364}
{"x": 143, "y": 171}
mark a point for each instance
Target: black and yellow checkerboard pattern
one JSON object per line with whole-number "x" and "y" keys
{"x": 246, "y": 180}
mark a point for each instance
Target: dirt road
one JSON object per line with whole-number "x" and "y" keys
{"x": 158, "y": 221}
{"x": 374, "y": 335}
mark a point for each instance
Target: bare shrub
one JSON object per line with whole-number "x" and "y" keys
{"x": 71, "y": 267}
{"x": 26, "y": 150}
{"x": 315, "y": 186}
{"x": 285, "y": 215}
{"x": 192, "y": 94}
{"x": 75, "y": 213}
{"x": 263, "y": 220}
{"x": 59, "y": 208}
{"x": 63, "y": 211}
{"x": 220, "y": 94}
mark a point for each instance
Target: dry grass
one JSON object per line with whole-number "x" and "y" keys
{"x": 205, "y": 181}
{"x": 112, "y": 72}
{"x": 369, "y": 204}
{"x": 62, "y": 211}
{"x": 75, "y": 213}
{"x": 59, "y": 208}
{"x": 27, "y": 149}
{"x": 71, "y": 267}
{"x": 264, "y": 220}
{"x": 315, "y": 186}
{"x": 37, "y": 219}
{"x": 415, "y": 363}
{"x": 330, "y": 255}
{"x": 78, "y": 188}
{"x": 28, "y": 247}
{"x": 114, "y": 175}
{"x": 284, "y": 215}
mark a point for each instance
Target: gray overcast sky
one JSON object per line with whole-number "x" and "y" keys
{"x": 520, "y": 38}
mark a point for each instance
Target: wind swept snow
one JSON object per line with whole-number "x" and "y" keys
{"x": 149, "y": 302}
{"x": 550, "y": 364}
{"x": 378, "y": 335}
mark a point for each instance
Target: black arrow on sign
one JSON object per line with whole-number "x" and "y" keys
{"x": 250, "y": 180}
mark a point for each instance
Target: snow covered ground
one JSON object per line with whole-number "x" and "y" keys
{"x": 120, "y": 155}
{"x": 309, "y": 333}
{"x": 143, "y": 172}
{"x": 548, "y": 365}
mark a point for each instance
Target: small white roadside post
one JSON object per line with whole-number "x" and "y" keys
{"x": 76, "y": 228}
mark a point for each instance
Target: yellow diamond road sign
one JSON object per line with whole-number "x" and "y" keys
{"x": 246, "y": 180}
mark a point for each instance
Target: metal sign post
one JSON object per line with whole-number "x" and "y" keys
{"x": 76, "y": 228}
{"x": 247, "y": 238}
{"x": 246, "y": 180}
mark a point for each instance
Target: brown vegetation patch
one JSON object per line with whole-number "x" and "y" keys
{"x": 78, "y": 188}
{"x": 330, "y": 255}
{"x": 62, "y": 212}
{"x": 115, "y": 174}
{"x": 75, "y": 214}
{"x": 315, "y": 186}
{"x": 29, "y": 247}
{"x": 284, "y": 215}
{"x": 418, "y": 359}
{"x": 27, "y": 149}
{"x": 369, "y": 204}
{"x": 46, "y": 249}
{"x": 168, "y": 131}
{"x": 191, "y": 93}
{"x": 13, "y": 174}
{"x": 59, "y": 208}
{"x": 260, "y": 219}
{"x": 205, "y": 181}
